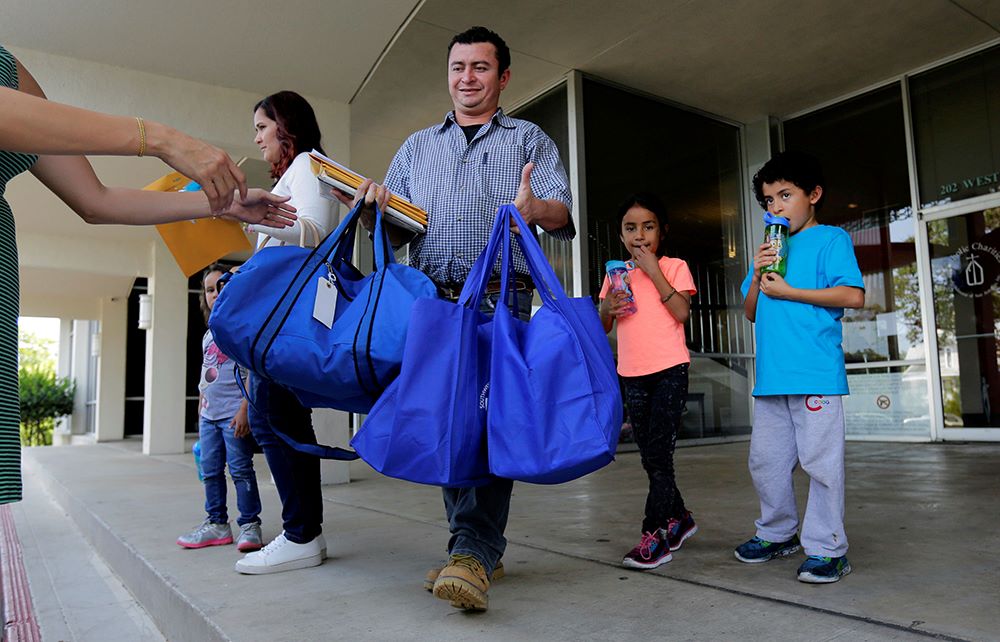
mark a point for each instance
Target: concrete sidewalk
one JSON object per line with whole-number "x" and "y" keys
{"x": 922, "y": 521}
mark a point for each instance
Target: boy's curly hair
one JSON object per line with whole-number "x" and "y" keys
{"x": 798, "y": 168}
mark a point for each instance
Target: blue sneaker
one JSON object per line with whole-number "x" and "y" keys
{"x": 756, "y": 550}
{"x": 823, "y": 570}
{"x": 652, "y": 550}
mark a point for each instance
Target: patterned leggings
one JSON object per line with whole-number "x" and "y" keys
{"x": 655, "y": 403}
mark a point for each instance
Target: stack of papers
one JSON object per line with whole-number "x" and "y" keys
{"x": 330, "y": 173}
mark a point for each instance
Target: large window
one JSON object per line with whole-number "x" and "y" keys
{"x": 862, "y": 146}
{"x": 635, "y": 143}
{"x": 956, "y": 126}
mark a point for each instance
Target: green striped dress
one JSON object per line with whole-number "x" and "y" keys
{"x": 11, "y": 164}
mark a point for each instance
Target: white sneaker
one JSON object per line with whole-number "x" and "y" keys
{"x": 282, "y": 555}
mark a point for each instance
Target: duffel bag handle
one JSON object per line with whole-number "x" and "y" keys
{"x": 316, "y": 450}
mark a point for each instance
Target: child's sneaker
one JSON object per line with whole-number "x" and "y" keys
{"x": 208, "y": 534}
{"x": 823, "y": 570}
{"x": 678, "y": 530}
{"x": 756, "y": 550}
{"x": 653, "y": 550}
{"x": 250, "y": 538}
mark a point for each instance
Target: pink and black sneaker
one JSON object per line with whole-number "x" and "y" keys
{"x": 678, "y": 530}
{"x": 653, "y": 550}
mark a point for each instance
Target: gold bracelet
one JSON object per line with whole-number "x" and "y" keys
{"x": 667, "y": 298}
{"x": 142, "y": 135}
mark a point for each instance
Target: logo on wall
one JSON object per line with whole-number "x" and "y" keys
{"x": 978, "y": 270}
{"x": 883, "y": 402}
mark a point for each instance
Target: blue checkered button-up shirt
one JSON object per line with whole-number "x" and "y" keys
{"x": 461, "y": 184}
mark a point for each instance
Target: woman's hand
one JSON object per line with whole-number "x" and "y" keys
{"x": 205, "y": 164}
{"x": 261, "y": 207}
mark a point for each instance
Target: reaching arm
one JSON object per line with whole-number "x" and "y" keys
{"x": 73, "y": 180}
{"x": 32, "y": 124}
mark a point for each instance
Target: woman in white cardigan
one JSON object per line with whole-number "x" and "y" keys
{"x": 286, "y": 131}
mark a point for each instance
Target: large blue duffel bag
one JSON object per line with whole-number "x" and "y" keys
{"x": 263, "y": 318}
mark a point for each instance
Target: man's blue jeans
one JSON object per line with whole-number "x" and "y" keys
{"x": 220, "y": 446}
{"x": 296, "y": 475}
{"x": 477, "y": 517}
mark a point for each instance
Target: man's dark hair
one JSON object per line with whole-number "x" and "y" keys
{"x": 798, "y": 168}
{"x": 651, "y": 202}
{"x": 472, "y": 35}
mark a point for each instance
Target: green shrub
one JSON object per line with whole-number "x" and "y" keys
{"x": 44, "y": 398}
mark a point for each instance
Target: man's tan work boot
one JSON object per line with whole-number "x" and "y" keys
{"x": 463, "y": 582}
{"x": 432, "y": 575}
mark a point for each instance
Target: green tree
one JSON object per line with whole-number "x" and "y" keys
{"x": 44, "y": 398}
{"x": 35, "y": 352}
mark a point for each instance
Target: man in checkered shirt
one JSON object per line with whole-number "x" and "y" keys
{"x": 461, "y": 170}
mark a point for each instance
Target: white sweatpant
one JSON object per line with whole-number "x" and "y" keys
{"x": 807, "y": 430}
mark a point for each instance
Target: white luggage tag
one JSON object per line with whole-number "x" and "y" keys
{"x": 326, "y": 299}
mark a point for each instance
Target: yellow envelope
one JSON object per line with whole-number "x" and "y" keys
{"x": 198, "y": 243}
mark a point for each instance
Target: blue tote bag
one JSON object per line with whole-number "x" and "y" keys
{"x": 263, "y": 318}
{"x": 430, "y": 425}
{"x": 555, "y": 406}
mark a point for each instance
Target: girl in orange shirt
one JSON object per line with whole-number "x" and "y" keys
{"x": 653, "y": 362}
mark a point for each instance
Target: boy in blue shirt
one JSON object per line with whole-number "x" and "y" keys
{"x": 798, "y": 410}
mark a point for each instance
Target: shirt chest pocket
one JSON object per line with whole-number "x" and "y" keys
{"x": 501, "y": 172}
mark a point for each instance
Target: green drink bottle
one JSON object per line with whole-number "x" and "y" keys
{"x": 776, "y": 233}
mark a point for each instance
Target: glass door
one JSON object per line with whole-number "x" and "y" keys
{"x": 964, "y": 252}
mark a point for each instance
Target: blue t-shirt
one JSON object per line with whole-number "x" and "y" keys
{"x": 799, "y": 348}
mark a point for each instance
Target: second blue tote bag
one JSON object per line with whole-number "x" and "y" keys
{"x": 555, "y": 406}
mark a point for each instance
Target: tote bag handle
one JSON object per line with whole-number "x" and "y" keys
{"x": 482, "y": 269}
{"x": 544, "y": 277}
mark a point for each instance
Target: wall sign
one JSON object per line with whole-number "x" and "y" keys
{"x": 969, "y": 183}
{"x": 978, "y": 270}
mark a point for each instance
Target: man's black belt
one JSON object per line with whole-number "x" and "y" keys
{"x": 453, "y": 291}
